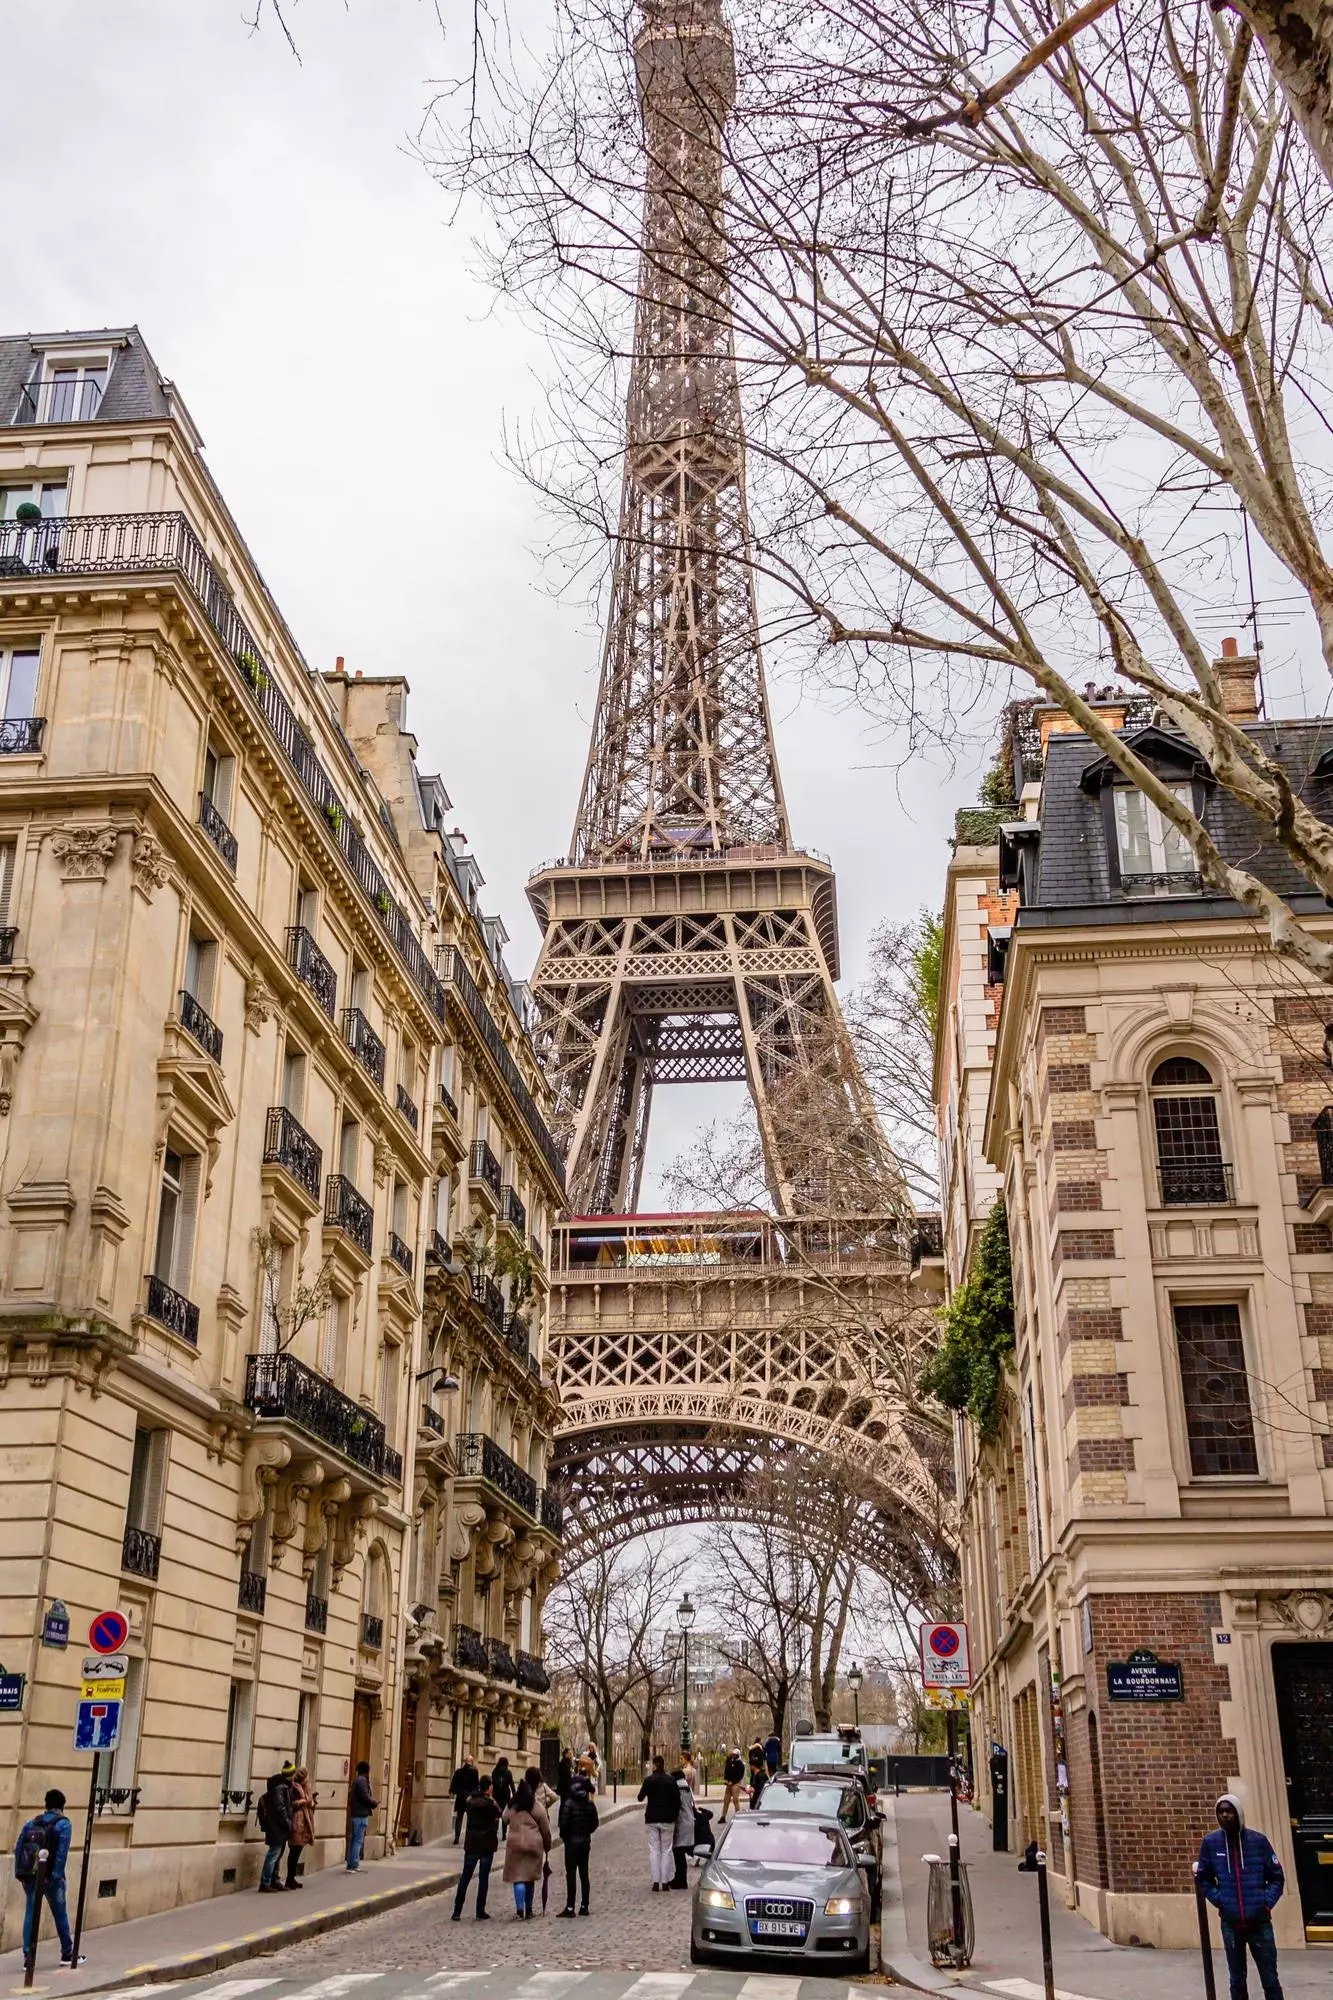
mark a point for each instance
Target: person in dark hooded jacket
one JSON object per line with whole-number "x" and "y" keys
{"x": 578, "y": 1823}
{"x": 274, "y": 1813}
{"x": 1242, "y": 1878}
{"x": 502, "y": 1789}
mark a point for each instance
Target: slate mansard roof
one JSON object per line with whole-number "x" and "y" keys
{"x": 135, "y": 390}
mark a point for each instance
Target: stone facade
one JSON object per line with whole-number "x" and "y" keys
{"x": 267, "y": 1109}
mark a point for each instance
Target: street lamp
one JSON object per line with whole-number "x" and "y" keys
{"x": 685, "y": 1615}
{"x": 854, "y": 1680}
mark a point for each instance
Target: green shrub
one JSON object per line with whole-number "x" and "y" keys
{"x": 966, "y": 1371}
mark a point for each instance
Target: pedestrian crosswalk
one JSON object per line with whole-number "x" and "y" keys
{"x": 508, "y": 1983}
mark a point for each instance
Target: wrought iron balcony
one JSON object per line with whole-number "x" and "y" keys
{"x": 532, "y": 1673}
{"x": 400, "y": 1253}
{"x": 437, "y": 1250}
{"x": 393, "y": 1465}
{"x": 450, "y": 1102}
{"x": 364, "y": 1043}
{"x": 200, "y": 1026}
{"x": 372, "y": 1632}
{"x": 1197, "y": 1184}
{"x": 485, "y": 1167}
{"x": 460, "y": 981}
{"x": 470, "y": 1650}
{"x": 172, "y": 1310}
{"x": 1170, "y": 882}
{"x": 316, "y": 1613}
{"x": 253, "y": 1590}
{"x": 517, "y": 1338}
{"x": 234, "y": 1803}
{"x": 7, "y": 937}
{"x": 287, "y": 1144}
{"x": 312, "y": 968}
{"x": 500, "y": 1661}
{"x": 221, "y": 835}
{"x": 282, "y": 1389}
{"x": 479, "y": 1457}
{"x": 140, "y": 1552}
{"x": 492, "y": 1302}
{"x": 432, "y": 1420}
{"x": 116, "y": 1799}
{"x": 513, "y": 1212}
{"x": 553, "y": 1515}
{"x": 406, "y": 1108}
{"x": 349, "y": 1211}
{"x": 20, "y": 733}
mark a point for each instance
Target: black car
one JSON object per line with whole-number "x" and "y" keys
{"x": 827, "y": 1796}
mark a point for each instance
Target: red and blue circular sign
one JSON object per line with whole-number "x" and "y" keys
{"x": 944, "y": 1642}
{"x": 108, "y": 1631}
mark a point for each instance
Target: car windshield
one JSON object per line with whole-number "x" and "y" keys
{"x": 824, "y": 1801}
{"x": 798, "y": 1844}
{"x": 807, "y": 1750}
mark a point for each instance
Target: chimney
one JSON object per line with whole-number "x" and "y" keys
{"x": 1237, "y": 678}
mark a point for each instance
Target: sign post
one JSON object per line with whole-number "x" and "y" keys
{"x": 946, "y": 1668}
{"x": 97, "y": 1726}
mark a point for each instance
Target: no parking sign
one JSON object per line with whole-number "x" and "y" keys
{"x": 946, "y": 1657}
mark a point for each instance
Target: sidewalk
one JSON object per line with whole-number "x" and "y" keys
{"x": 1008, "y": 1953}
{"x": 199, "y": 1938}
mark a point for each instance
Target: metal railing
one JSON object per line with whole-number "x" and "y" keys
{"x": 199, "y": 1025}
{"x": 432, "y": 1420}
{"x": 21, "y": 733}
{"x": 312, "y": 968}
{"x": 349, "y": 1211}
{"x": 553, "y": 1515}
{"x": 140, "y": 1552}
{"x": 685, "y": 857}
{"x": 61, "y": 399}
{"x": 470, "y": 1649}
{"x": 235, "y": 1803}
{"x": 460, "y": 981}
{"x": 399, "y": 1252}
{"x": 116, "y": 1799}
{"x": 316, "y": 1613}
{"x": 1170, "y": 882}
{"x": 437, "y": 1250}
{"x": 1197, "y": 1183}
{"x": 253, "y": 1590}
{"x": 406, "y": 1107}
{"x": 480, "y": 1457}
{"x": 221, "y": 835}
{"x": 393, "y": 1465}
{"x": 287, "y": 1144}
{"x": 492, "y": 1301}
{"x": 449, "y": 1101}
{"x": 518, "y": 1338}
{"x": 500, "y": 1661}
{"x": 280, "y": 1388}
{"x": 364, "y": 1043}
{"x": 484, "y": 1167}
{"x": 7, "y": 937}
{"x": 532, "y": 1673}
{"x": 372, "y": 1632}
{"x": 513, "y": 1212}
{"x": 172, "y": 1310}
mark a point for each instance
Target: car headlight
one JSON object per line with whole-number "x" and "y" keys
{"x": 717, "y": 1899}
{"x": 842, "y": 1906}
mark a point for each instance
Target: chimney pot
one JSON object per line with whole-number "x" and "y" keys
{"x": 1229, "y": 649}
{"x": 338, "y": 664}
{"x": 357, "y": 675}
{"x": 1237, "y": 680}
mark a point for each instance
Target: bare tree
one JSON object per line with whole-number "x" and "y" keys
{"x": 603, "y": 1622}
{"x": 288, "y": 1303}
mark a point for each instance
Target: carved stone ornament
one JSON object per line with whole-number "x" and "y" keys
{"x": 260, "y": 1006}
{"x": 84, "y": 853}
{"x": 354, "y": 1518}
{"x": 265, "y": 1458}
{"x": 321, "y": 1511}
{"x": 149, "y": 864}
{"x": 297, "y": 1485}
{"x": 1309, "y": 1612}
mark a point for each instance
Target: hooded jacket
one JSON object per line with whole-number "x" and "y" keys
{"x": 1241, "y": 1877}
{"x": 578, "y": 1814}
{"x": 274, "y": 1811}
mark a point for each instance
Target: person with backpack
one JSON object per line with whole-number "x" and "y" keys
{"x": 360, "y": 1807}
{"x": 578, "y": 1824}
{"x": 274, "y": 1813}
{"x": 52, "y": 1831}
{"x": 661, "y": 1807}
{"x": 733, "y": 1779}
{"x": 481, "y": 1837}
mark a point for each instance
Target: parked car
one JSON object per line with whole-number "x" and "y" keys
{"x": 817, "y": 1796}
{"x": 783, "y": 1887}
{"x": 843, "y": 1752}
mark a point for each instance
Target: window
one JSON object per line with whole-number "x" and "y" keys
{"x": 18, "y": 680}
{"x": 391, "y": 1367}
{"x": 148, "y": 1480}
{"x": 69, "y": 390}
{"x": 1216, "y": 1387}
{"x": 219, "y": 776}
{"x": 307, "y": 907}
{"x": 200, "y": 964}
{"x": 444, "y": 1192}
{"x": 1155, "y": 858}
{"x": 48, "y": 496}
{"x": 8, "y": 856}
{"x": 398, "y": 1209}
{"x": 293, "y": 1079}
{"x": 236, "y": 1743}
{"x": 306, "y": 1730}
{"x": 278, "y": 1267}
{"x": 361, "y": 987}
{"x": 1188, "y": 1135}
{"x": 349, "y": 1149}
{"x": 177, "y": 1207}
{"x": 333, "y": 1346}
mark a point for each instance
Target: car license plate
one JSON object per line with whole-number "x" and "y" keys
{"x": 770, "y": 1927}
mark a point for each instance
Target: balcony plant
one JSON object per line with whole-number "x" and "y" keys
{"x": 382, "y": 902}
{"x": 27, "y": 514}
{"x": 254, "y": 670}
{"x": 288, "y": 1308}
{"x": 487, "y": 1255}
{"x": 333, "y": 813}
{"x": 967, "y": 1370}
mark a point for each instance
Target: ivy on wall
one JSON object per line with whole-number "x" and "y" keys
{"x": 966, "y": 1371}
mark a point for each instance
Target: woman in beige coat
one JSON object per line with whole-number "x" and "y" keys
{"x": 526, "y": 1848}
{"x": 303, "y": 1825}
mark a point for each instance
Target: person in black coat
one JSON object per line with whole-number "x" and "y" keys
{"x": 502, "y": 1788}
{"x": 462, "y": 1785}
{"x": 578, "y": 1823}
{"x": 661, "y": 1796}
{"x": 480, "y": 1840}
{"x": 564, "y": 1776}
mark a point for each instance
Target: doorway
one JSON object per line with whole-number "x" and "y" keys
{"x": 363, "y": 1721}
{"x": 407, "y": 1756}
{"x": 1303, "y": 1682}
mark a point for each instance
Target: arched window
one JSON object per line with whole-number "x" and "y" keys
{"x": 1189, "y": 1135}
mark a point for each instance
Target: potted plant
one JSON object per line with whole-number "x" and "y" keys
{"x": 27, "y": 514}
{"x": 382, "y": 902}
{"x": 253, "y": 669}
{"x": 333, "y": 813}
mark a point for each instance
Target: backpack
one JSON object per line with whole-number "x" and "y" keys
{"x": 261, "y": 1812}
{"x": 35, "y": 1836}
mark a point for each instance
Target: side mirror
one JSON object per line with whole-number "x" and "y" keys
{"x": 866, "y": 1861}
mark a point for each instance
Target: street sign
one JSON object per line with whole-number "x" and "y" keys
{"x": 105, "y": 1666}
{"x": 1143, "y": 1677}
{"x": 100, "y": 1688}
{"x": 11, "y": 1691}
{"x": 946, "y": 1660}
{"x": 108, "y": 1632}
{"x": 947, "y": 1698}
{"x": 55, "y": 1625}
{"x": 97, "y": 1725}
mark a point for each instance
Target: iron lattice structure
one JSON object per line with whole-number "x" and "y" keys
{"x": 685, "y": 938}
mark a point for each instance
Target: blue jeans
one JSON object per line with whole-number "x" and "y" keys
{"x": 356, "y": 1841}
{"x": 272, "y": 1862}
{"x": 523, "y": 1897}
{"x": 1263, "y": 1950}
{"x": 480, "y": 1866}
{"x": 54, "y": 1894}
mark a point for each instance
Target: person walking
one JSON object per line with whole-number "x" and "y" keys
{"x": 564, "y": 1774}
{"x": 591, "y": 1764}
{"x": 1242, "y": 1878}
{"x": 361, "y": 1805}
{"x": 578, "y": 1824}
{"x": 772, "y": 1753}
{"x": 52, "y": 1831}
{"x": 527, "y": 1846}
{"x": 733, "y": 1781}
{"x": 661, "y": 1807}
{"x": 682, "y": 1839}
{"x": 545, "y": 1795}
{"x": 481, "y": 1837}
{"x": 274, "y": 1813}
{"x": 502, "y": 1789}
{"x": 461, "y": 1787}
{"x": 303, "y": 1825}
{"x": 758, "y": 1774}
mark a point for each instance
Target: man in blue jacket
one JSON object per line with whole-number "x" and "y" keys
{"x": 1243, "y": 1880}
{"x": 52, "y": 1831}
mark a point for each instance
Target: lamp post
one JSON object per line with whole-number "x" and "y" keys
{"x": 685, "y": 1615}
{"x": 854, "y": 1680}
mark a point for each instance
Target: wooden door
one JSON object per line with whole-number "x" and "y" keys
{"x": 1303, "y": 1680}
{"x": 407, "y": 1755}
{"x": 363, "y": 1718}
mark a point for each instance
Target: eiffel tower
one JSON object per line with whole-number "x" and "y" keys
{"x": 686, "y": 939}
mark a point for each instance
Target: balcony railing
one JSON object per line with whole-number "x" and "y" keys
{"x": 553, "y": 1515}
{"x": 312, "y": 968}
{"x": 480, "y": 1457}
{"x": 1171, "y": 882}
{"x": 400, "y": 1253}
{"x": 513, "y": 1212}
{"x": 7, "y": 937}
{"x": 393, "y": 1465}
{"x": 532, "y": 1673}
{"x": 450, "y": 1102}
{"x": 437, "y": 1250}
{"x": 140, "y": 1552}
{"x": 253, "y": 1590}
{"x": 316, "y": 1613}
{"x": 1197, "y": 1184}
{"x": 364, "y": 1043}
{"x": 347, "y": 1210}
{"x": 20, "y": 733}
{"x": 200, "y": 1025}
{"x": 432, "y": 1420}
{"x": 221, "y": 835}
{"x": 232, "y": 1804}
{"x": 372, "y": 1632}
{"x": 517, "y": 1338}
{"x": 106, "y": 544}
{"x": 116, "y": 1799}
{"x": 485, "y": 1167}
{"x": 287, "y": 1144}
{"x": 460, "y": 981}
{"x": 500, "y": 1661}
{"x": 61, "y": 399}
{"x": 492, "y": 1302}
{"x": 172, "y": 1310}
{"x": 407, "y": 1108}
{"x": 470, "y": 1650}
{"x": 282, "y": 1389}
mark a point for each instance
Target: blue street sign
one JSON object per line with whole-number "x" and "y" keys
{"x": 97, "y": 1725}
{"x": 55, "y": 1626}
{"x": 11, "y": 1690}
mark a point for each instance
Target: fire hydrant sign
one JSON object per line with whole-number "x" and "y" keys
{"x": 946, "y": 1658}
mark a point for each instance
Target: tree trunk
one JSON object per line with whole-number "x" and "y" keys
{"x": 1297, "y": 37}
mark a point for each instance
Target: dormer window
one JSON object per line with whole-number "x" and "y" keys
{"x": 1155, "y": 857}
{"x": 67, "y": 389}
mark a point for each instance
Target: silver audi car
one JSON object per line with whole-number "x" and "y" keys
{"x": 783, "y": 1888}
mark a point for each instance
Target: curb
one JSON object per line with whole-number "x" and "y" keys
{"x": 895, "y": 1955}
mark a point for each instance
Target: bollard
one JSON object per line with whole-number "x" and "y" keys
{"x": 1044, "y": 1911}
{"x": 1205, "y": 1938}
{"x": 955, "y": 1901}
{"x": 38, "y": 1902}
